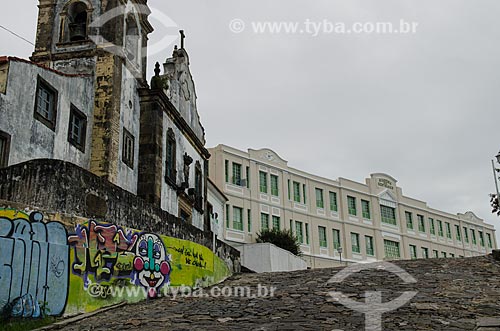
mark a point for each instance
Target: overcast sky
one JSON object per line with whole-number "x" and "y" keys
{"x": 423, "y": 108}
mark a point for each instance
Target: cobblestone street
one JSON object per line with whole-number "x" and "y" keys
{"x": 453, "y": 294}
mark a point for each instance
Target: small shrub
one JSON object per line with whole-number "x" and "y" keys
{"x": 281, "y": 238}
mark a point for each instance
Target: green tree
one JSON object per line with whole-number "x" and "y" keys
{"x": 281, "y": 238}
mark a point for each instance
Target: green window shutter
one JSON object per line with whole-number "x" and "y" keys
{"x": 307, "y": 233}
{"x": 263, "y": 181}
{"x": 319, "y": 198}
{"x": 296, "y": 192}
{"x": 226, "y": 170}
{"x": 304, "y": 192}
{"x": 448, "y": 230}
{"x": 336, "y": 238}
{"x": 249, "y": 220}
{"x": 388, "y": 215}
{"x": 276, "y": 223}
{"x": 409, "y": 220}
{"x": 298, "y": 231}
{"x": 490, "y": 243}
{"x": 289, "y": 189}
{"x": 473, "y": 233}
{"x": 333, "y": 201}
{"x": 413, "y": 252}
{"x": 425, "y": 253}
{"x": 481, "y": 238}
{"x": 248, "y": 177}
{"x": 274, "y": 185}
{"x": 238, "y": 218}
{"x": 365, "y": 209}
{"x": 391, "y": 249}
{"x": 432, "y": 229}
{"x": 421, "y": 223}
{"x": 440, "y": 228}
{"x": 236, "y": 174}
{"x": 264, "y": 221}
{"x": 227, "y": 217}
{"x": 369, "y": 246}
{"x": 466, "y": 235}
{"x": 355, "y": 242}
{"x": 351, "y": 205}
{"x": 458, "y": 233}
{"x": 322, "y": 236}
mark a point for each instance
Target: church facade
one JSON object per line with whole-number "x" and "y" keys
{"x": 83, "y": 97}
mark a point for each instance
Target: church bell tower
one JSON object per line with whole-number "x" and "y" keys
{"x": 107, "y": 40}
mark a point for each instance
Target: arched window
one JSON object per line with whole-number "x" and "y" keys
{"x": 74, "y": 22}
{"x": 170, "y": 159}
{"x": 77, "y": 16}
{"x": 198, "y": 187}
{"x": 132, "y": 39}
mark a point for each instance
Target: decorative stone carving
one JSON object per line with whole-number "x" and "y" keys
{"x": 267, "y": 155}
{"x": 187, "y": 162}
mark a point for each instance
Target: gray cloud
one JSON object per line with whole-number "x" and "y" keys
{"x": 423, "y": 107}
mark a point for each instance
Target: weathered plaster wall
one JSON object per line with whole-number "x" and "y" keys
{"x": 182, "y": 92}
{"x": 218, "y": 205}
{"x": 71, "y": 265}
{"x": 76, "y": 65}
{"x": 129, "y": 119}
{"x": 169, "y": 198}
{"x": 4, "y": 70}
{"x": 29, "y": 137}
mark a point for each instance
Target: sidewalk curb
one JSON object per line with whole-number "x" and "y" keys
{"x": 65, "y": 322}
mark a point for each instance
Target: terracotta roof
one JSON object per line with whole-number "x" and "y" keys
{"x": 4, "y": 59}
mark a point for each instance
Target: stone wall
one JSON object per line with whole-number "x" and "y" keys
{"x": 58, "y": 264}
{"x": 60, "y": 187}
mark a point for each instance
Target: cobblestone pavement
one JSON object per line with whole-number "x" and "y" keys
{"x": 453, "y": 294}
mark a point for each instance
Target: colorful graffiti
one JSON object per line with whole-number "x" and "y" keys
{"x": 42, "y": 268}
{"x": 151, "y": 263}
{"x": 102, "y": 250}
{"x": 34, "y": 259}
{"x": 108, "y": 252}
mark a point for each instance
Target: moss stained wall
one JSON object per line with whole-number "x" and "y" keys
{"x": 70, "y": 265}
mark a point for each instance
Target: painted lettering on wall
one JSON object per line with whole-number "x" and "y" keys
{"x": 34, "y": 260}
{"x": 191, "y": 256}
{"x": 42, "y": 268}
{"x": 385, "y": 183}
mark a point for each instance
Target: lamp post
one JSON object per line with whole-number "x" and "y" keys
{"x": 495, "y": 173}
{"x": 339, "y": 249}
{"x": 495, "y": 199}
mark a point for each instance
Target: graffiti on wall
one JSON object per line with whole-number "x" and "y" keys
{"x": 42, "y": 268}
{"x": 102, "y": 250}
{"x": 34, "y": 259}
{"x": 150, "y": 264}
{"x": 109, "y": 252}
{"x": 191, "y": 256}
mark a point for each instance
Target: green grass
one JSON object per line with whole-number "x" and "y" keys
{"x": 20, "y": 324}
